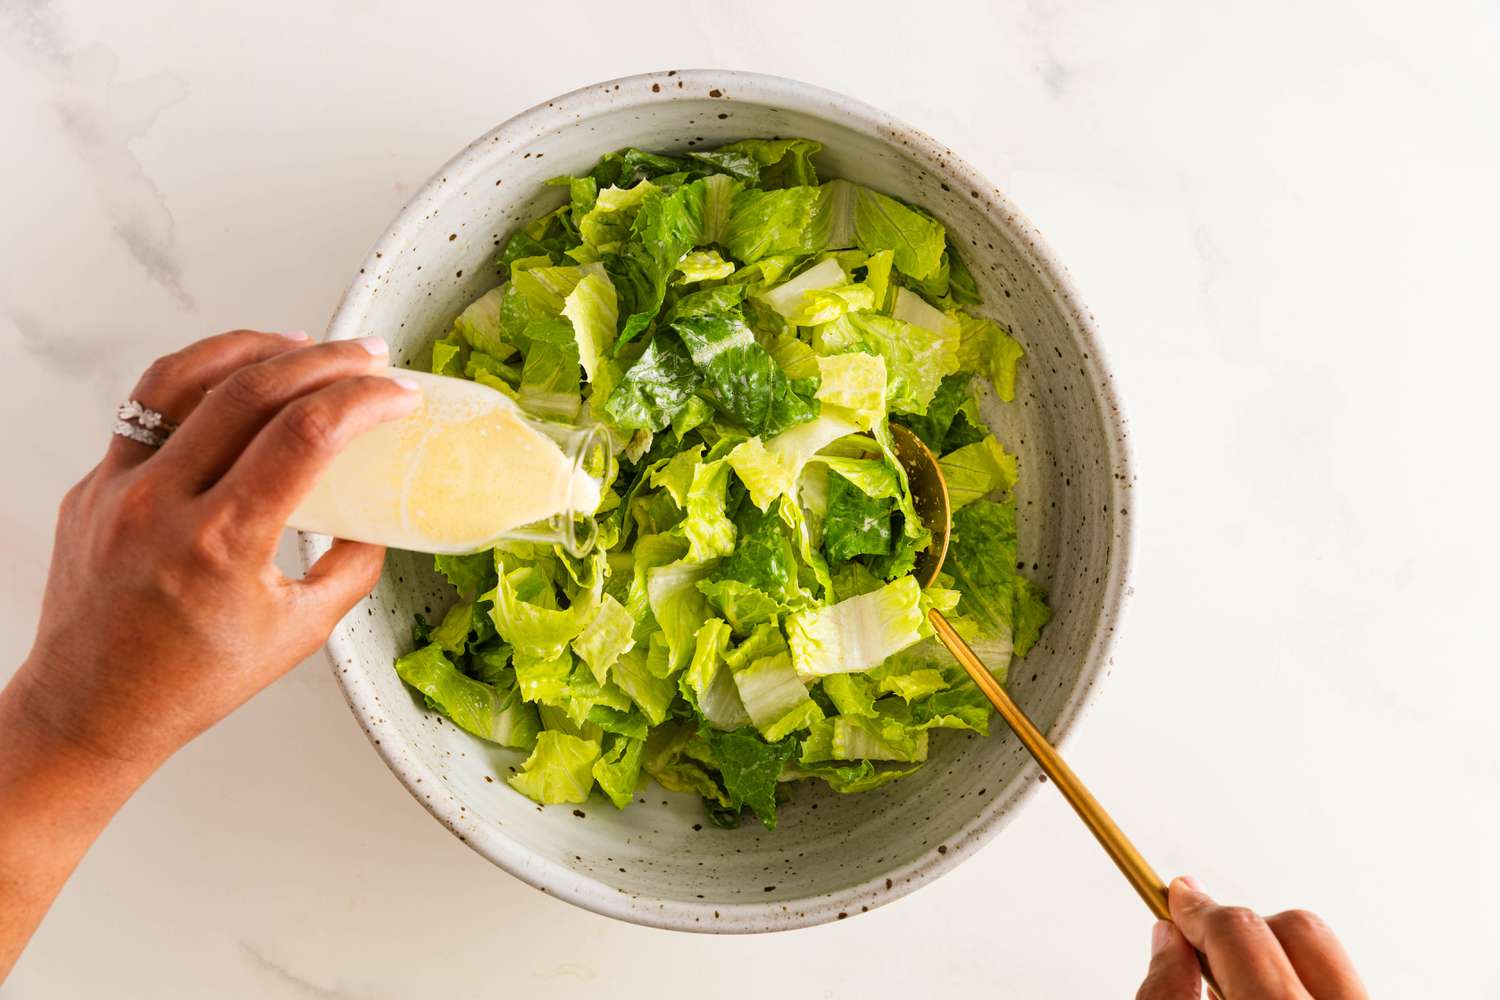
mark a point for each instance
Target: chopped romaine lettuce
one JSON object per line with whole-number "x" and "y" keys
{"x": 472, "y": 705}
{"x": 560, "y": 769}
{"x": 858, "y": 633}
{"x": 976, "y": 469}
{"x": 749, "y": 622}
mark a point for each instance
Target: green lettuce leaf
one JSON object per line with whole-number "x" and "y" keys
{"x": 667, "y": 759}
{"x": 820, "y": 294}
{"x": 608, "y": 222}
{"x": 560, "y": 769}
{"x": 856, "y": 737}
{"x": 679, "y": 607}
{"x": 858, "y": 633}
{"x": 708, "y": 530}
{"x": 914, "y": 685}
{"x": 739, "y": 376}
{"x": 654, "y": 389}
{"x": 550, "y": 385}
{"x": 652, "y": 694}
{"x": 863, "y": 776}
{"x": 875, "y": 477}
{"x": 988, "y": 350}
{"x": 852, "y": 215}
{"x": 916, "y": 359}
{"x": 546, "y": 237}
{"x": 663, "y": 231}
{"x": 767, "y": 223}
{"x": 537, "y": 293}
{"x": 675, "y": 475}
{"x": 856, "y": 523}
{"x": 797, "y": 359}
{"x": 855, "y": 383}
{"x": 719, "y": 192}
{"x": 709, "y": 680}
{"x": 655, "y": 512}
{"x": 960, "y": 706}
{"x": 618, "y": 770}
{"x": 484, "y": 368}
{"x": 976, "y": 469}
{"x": 852, "y": 579}
{"x": 543, "y": 680}
{"x": 452, "y": 634}
{"x": 704, "y": 265}
{"x": 480, "y": 327}
{"x": 771, "y": 469}
{"x": 594, "y": 311}
{"x": 766, "y": 163}
{"x": 878, "y": 278}
{"x": 909, "y": 307}
{"x": 651, "y": 551}
{"x": 851, "y": 694}
{"x": 933, "y": 426}
{"x": 489, "y": 659}
{"x": 812, "y": 572}
{"x": 627, "y": 722}
{"x": 473, "y": 706}
{"x": 449, "y": 354}
{"x": 982, "y": 559}
{"x": 543, "y": 631}
{"x": 627, "y": 167}
{"x": 750, "y": 768}
{"x": 772, "y": 693}
{"x": 763, "y": 559}
{"x": 695, "y": 414}
{"x": 744, "y": 606}
{"x": 607, "y": 636}
{"x": 713, "y": 301}
{"x": 962, "y": 288}
{"x": 583, "y": 192}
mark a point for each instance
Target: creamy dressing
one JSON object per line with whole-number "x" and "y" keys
{"x": 458, "y": 473}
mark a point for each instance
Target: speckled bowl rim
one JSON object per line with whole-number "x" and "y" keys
{"x": 558, "y": 880}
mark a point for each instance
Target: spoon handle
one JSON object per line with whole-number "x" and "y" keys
{"x": 1136, "y": 869}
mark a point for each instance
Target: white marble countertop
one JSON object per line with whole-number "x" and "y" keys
{"x": 1283, "y": 216}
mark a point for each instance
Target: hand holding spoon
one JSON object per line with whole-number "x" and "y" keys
{"x": 930, "y": 494}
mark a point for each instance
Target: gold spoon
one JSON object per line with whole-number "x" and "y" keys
{"x": 930, "y": 495}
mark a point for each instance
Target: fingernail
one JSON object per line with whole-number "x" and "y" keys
{"x": 409, "y": 384}
{"x": 1193, "y": 884}
{"x": 1161, "y": 936}
{"x": 374, "y": 345}
{"x": 295, "y": 334}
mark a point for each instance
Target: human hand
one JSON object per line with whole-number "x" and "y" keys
{"x": 164, "y": 610}
{"x": 1290, "y": 955}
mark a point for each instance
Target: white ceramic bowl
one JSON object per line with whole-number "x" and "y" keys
{"x": 832, "y": 855}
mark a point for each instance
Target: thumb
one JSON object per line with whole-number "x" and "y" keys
{"x": 340, "y": 579}
{"x": 1174, "y": 973}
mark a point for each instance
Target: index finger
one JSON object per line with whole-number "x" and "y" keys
{"x": 1315, "y": 952}
{"x": 284, "y": 461}
{"x": 1245, "y": 956}
{"x": 176, "y": 383}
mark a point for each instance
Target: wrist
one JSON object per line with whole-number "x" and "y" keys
{"x": 38, "y": 737}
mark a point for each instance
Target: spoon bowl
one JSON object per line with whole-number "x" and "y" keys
{"x": 929, "y": 494}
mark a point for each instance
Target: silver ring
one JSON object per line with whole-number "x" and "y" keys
{"x": 132, "y": 410}
{"x": 151, "y": 439}
{"x": 142, "y": 424}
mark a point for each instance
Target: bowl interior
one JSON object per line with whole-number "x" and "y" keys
{"x": 659, "y": 862}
